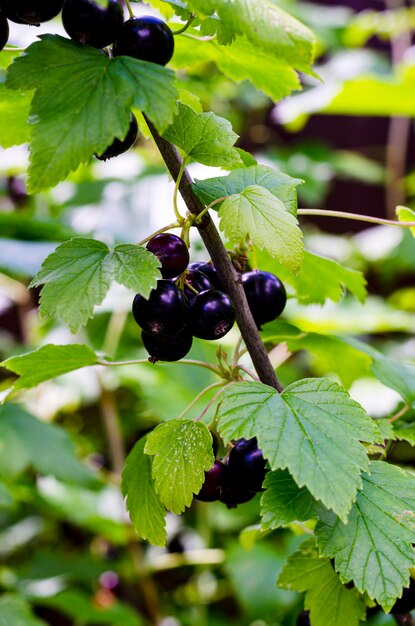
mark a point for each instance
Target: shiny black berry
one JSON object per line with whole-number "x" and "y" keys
{"x": 265, "y": 294}
{"x": 214, "y": 486}
{"x": 87, "y": 22}
{"x": 198, "y": 282}
{"x": 211, "y": 315}
{"x": 146, "y": 38}
{"x": 168, "y": 347}
{"x": 303, "y": 619}
{"x": 164, "y": 312}
{"x": 406, "y": 603}
{"x": 172, "y": 253}
{"x": 234, "y": 496}
{"x": 209, "y": 270}
{"x": 4, "y": 31}
{"x": 246, "y": 466}
{"x": 30, "y": 11}
{"x": 119, "y": 146}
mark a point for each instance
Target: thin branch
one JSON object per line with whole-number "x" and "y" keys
{"x": 399, "y": 414}
{"x": 199, "y": 396}
{"x": 228, "y": 275}
{"x": 247, "y": 371}
{"x": 204, "y": 364}
{"x": 185, "y": 27}
{"x": 355, "y": 216}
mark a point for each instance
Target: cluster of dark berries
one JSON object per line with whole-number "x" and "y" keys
{"x": 237, "y": 478}
{"x": 146, "y": 38}
{"x": 172, "y": 315}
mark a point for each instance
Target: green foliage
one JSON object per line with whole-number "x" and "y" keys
{"x": 329, "y": 603}
{"x": 300, "y": 430}
{"x": 258, "y": 215}
{"x": 204, "y": 137}
{"x": 406, "y": 215}
{"x": 374, "y": 548}
{"x": 182, "y": 451}
{"x": 143, "y": 504}
{"x": 284, "y": 501}
{"x": 26, "y": 441}
{"x": 15, "y": 610}
{"x": 48, "y": 362}
{"x": 78, "y": 274}
{"x": 239, "y": 61}
{"x": 319, "y": 279}
{"x": 76, "y": 603}
{"x": 279, "y": 184}
{"x": 266, "y": 26}
{"x": 14, "y": 111}
{"x": 82, "y": 102}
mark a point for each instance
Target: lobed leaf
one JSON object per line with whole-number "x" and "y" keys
{"x": 284, "y": 502}
{"x": 329, "y": 602}
{"x": 374, "y": 548}
{"x": 182, "y": 451}
{"x": 83, "y": 101}
{"x": 313, "y": 429}
{"x": 146, "y": 511}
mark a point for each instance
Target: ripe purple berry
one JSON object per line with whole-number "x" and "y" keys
{"x": 172, "y": 253}
{"x": 87, "y": 22}
{"x": 146, "y": 38}
{"x": 266, "y": 296}
{"x": 214, "y": 486}
{"x": 211, "y": 315}
{"x": 168, "y": 347}
{"x": 119, "y": 146}
{"x": 164, "y": 312}
{"x": 246, "y": 466}
{"x": 31, "y": 12}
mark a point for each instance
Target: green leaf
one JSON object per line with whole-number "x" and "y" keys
{"x": 397, "y": 375}
{"x": 374, "y": 548}
{"x": 136, "y": 268}
{"x": 281, "y": 185}
{"x": 182, "y": 451}
{"x": 329, "y": 602}
{"x": 14, "y": 111}
{"x": 146, "y": 511}
{"x": 78, "y": 274}
{"x": 83, "y": 101}
{"x": 15, "y": 611}
{"x": 284, "y": 502}
{"x": 239, "y": 61}
{"x": 266, "y": 26}
{"x": 204, "y": 137}
{"x": 257, "y": 213}
{"x": 76, "y": 603}
{"x": 25, "y": 440}
{"x": 48, "y": 362}
{"x": 313, "y": 429}
{"x": 406, "y": 215}
{"x": 405, "y": 432}
{"x": 319, "y": 279}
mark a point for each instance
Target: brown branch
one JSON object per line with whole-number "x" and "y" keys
{"x": 228, "y": 275}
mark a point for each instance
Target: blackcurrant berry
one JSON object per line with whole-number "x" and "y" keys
{"x": 198, "y": 282}
{"x": 214, "y": 486}
{"x": 303, "y": 619}
{"x": 88, "y": 23}
{"x": 211, "y": 315}
{"x": 165, "y": 312}
{"x": 265, "y": 294}
{"x": 234, "y": 496}
{"x": 246, "y": 466}
{"x": 168, "y": 347}
{"x": 4, "y": 31}
{"x": 406, "y": 603}
{"x": 146, "y": 38}
{"x": 30, "y": 11}
{"x": 172, "y": 253}
{"x": 119, "y": 146}
{"x": 208, "y": 269}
